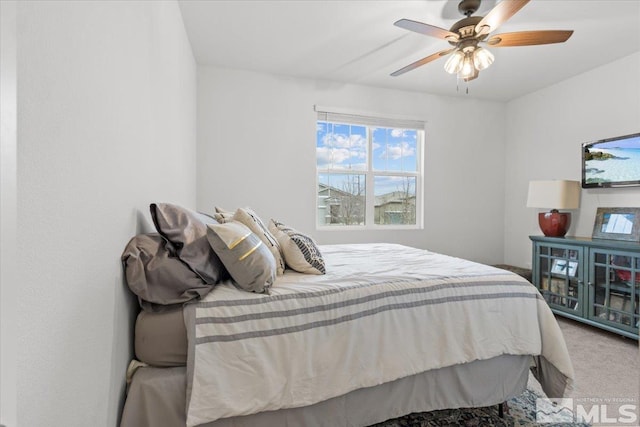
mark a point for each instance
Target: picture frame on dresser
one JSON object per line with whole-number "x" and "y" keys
{"x": 564, "y": 267}
{"x": 617, "y": 224}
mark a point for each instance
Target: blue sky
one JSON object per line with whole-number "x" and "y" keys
{"x": 621, "y": 143}
{"x": 343, "y": 147}
{"x": 394, "y": 149}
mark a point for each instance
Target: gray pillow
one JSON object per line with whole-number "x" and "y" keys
{"x": 300, "y": 251}
{"x": 157, "y": 276}
{"x": 247, "y": 259}
{"x": 187, "y": 231}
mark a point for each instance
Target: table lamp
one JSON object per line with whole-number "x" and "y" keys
{"x": 554, "y": 195}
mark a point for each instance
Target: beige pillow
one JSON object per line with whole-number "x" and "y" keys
{"x": 300, "y": 251}
{"x": 249, "y": 218}
{"x": 245, "y": 257}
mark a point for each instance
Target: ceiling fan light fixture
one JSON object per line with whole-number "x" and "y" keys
{"x": 467, "y": 58}
{"x": 454, "y": 63}
{"x": 467, "y": 71}
{"x": 482, "y": 58}
{"x": 475, "y": 74}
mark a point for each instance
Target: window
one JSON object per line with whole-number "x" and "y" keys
{"x": 369, "y": 171}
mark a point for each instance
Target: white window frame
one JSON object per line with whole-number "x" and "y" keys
{"x": 371, "y": 121}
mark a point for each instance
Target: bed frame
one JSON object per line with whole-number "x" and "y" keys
{"x": 156, "y": 397}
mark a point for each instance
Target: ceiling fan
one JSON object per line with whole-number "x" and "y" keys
{"x": 468, "y": 58}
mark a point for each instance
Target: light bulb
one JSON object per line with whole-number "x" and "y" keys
{"x": 467, "y": 70}
{"x": 482, "y": 58}
{"x": 454, "y": 63}
{"x": 475, "y": 75}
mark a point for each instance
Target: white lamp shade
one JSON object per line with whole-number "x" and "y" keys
{"x": 454, "y": 63}
{"x": 554, "y": 194}
{"x": 482, "y": 58}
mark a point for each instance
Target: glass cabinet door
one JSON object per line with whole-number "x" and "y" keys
{"x": 614, "y": 289}
{"x": 560, "y": 276}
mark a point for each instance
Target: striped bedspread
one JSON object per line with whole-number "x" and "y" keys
{"x": 381, "y": 312}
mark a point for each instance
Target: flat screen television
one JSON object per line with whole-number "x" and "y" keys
{"x": 611, "y": 162}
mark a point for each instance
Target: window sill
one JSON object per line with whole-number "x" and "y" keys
{"x": 368, "y": 227}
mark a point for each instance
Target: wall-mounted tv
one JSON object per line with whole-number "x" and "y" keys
{"x": 612, "y": 162}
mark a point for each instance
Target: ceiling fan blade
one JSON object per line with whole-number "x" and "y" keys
{"x": 426, "y": 29}
{"x": 529, "y": 38}
{"x": 499, "y": 14}
{"x": 421, "y": 62}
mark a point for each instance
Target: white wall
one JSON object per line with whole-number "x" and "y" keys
{"x": 106, "y": 125}
{"x": 8, "y": 213}
{"x": 256, "y": 147}
{"x": 545, "y": 131}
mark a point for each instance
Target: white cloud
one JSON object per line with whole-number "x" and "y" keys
{"x": 327, "y": 155}
{"x": 397, "y": 133}
{"x": 338, "y": 149}
{"x": 351, "y": 166}
{"x": 339, "y": 158}
{"x": 396, "y": 151}
{"x": 344, "y": 141}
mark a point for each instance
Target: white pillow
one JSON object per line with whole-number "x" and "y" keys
{"x": 249, "y": 218}
{"x": 300, "y": 251}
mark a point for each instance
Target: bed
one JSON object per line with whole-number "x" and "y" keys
{"x": 387, "y": 331}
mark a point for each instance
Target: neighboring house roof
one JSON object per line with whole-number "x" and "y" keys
{"x": 393, "y": 197}
{"x": 325, "y": 187}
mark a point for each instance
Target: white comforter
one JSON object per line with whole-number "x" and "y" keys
{"x": 381, "y": 312}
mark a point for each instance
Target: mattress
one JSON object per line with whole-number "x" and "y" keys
{"x": 156, "y": 397}
{"x": 161, "y": 338}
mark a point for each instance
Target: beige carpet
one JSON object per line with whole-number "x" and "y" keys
{"x": 606, "y": 364}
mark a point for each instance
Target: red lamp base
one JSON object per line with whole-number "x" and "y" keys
{"x": 554, "y": 223}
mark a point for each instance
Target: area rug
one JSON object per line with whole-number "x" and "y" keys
{"x": 521, "y": 412}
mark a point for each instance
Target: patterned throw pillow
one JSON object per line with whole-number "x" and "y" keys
{"x": 251, "y": 219}
{"x": 300, "y": 251}
{"x": 246, "y": 258}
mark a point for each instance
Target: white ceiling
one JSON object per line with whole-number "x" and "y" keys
{"x": 356, "y": 42}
